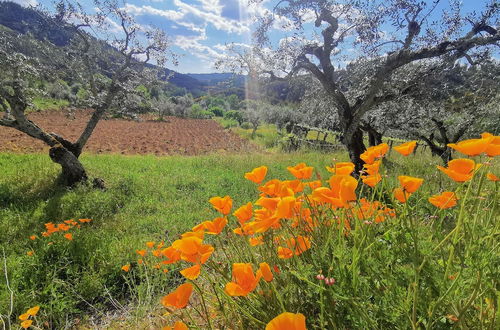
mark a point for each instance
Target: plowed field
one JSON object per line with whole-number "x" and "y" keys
{"x": 170, "y": 137}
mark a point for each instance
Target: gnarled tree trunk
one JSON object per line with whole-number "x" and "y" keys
{"x": 73, "y": 171}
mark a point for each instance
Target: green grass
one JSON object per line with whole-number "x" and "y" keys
{"x": 44, "y": 103}
{"x": 148, "y": 198}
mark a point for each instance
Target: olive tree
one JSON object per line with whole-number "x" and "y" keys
{"x": 87, "y": 58}
{"x": 390, "y": 33}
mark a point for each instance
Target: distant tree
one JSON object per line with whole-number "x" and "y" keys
{"x": 253, "y": 113}
{"x": 391, "y": 34}
{"x": 123, "y": 64}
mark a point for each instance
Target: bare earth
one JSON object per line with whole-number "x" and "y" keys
{"x": 174, "y": 136}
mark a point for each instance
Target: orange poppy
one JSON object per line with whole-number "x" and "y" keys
{"x": 26, "y": 324}
{"x": 214, "y": 227}
{"x": 68, "y": 236}
{"x": 284, "y": 253}
{"x": 244, "y": 280}
{"x": 444, "y": 201}
{"x": 85, "y": 220}
{"x": 301, "y": 171}
{"x": 299, "y": 245}
{"x": 179, "y": 298}
{"x": 126, "y": 267}
{"x": 471, "y": 147}
{"x": 254, "y": 241}
{"x": 222, "y": 204}
{"x": 460, "y": 170}
{"x": 409, "y": 183}
{"x": 492, "y": 177}
{"x": 493, "y": 148}
{"x": 406, "y": 148}
{"x": 24, "y": 317}
{"x": 179, "y": 325}
{"x": 150, "y": 244}
{"x": 294, "y": 185}
{"x": 271, "y": 187}
{"x": 342, "y": 191}
{"x": 269, "y": 203}
{"x": 193, "y": 250}
{"x": 265, "y": 271}
{"x": 313, "y": 184}
{"x": 191, "y": 273}
{"x": 285, "y": 207}
{"x": 33, "y": 310}
{"x": 401, "y": 195}
{"x": 287, "y": 321}
{"x": 32, "y": 237}
{"x": 373, "y": 153}
{"x": 372, "y": 169}
{"x": 342, "y": 168}
{"x": 371, "y": 180}
{"x": 244, "y": 213}
{"x": 30, "y": 253}
{"x": 257, "y": 175}
{"x": 142, "y": 253}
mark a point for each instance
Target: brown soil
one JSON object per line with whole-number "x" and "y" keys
{"x": 170, "y": 137}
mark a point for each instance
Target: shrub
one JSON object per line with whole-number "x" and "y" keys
{"x": 234, "y": 115}
{"x": 217, "y": 111}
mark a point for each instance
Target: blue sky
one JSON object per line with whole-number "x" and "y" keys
{"x": 200, "y": 29}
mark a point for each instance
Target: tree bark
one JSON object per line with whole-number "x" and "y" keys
{"x": 355, "y": 147}
{"x": 73, "y": 171}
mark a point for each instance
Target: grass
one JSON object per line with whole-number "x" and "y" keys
{"x": 148, "y": 198}
{"x": 44, "y": 103}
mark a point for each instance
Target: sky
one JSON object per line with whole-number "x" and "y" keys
{"x": 199, "y": 30}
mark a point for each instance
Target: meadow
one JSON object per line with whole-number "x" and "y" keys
{"x": 416, "y": 267}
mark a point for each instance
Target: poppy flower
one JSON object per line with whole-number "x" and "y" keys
{"x": 33, "y": 310}
{"x": 342, "y": 168}
{"x": 244, "y": 213}
{"x": 142, "y": 253}
{"x": 85, "y": 220}
{"x": 493, "y": 148}
{"x": 373, "y": 153}
{"x": 300, "y": 244}
{"x": 126, "y": 267}
{"x": 24, "y": 317}
{"x": 257, "y": 175}
{"x": 406, "y": 148}
{"x": 342, "y": 191}
{"x": 269, "y": 203}
{"x": 26, "y": 324}
{"x": 372, "y": 169}
{"x": 409, "y": 183}
{"x": 446, "y": 200}
{"x": 150, "y": 244}
{"x": 287, "y": 321}
{"x": 179, "y": 298}
{"x": 265, "y": 271}
{"x": 222, "y": 204}
{"x": 244, "y": 280}
{"x": 371, "y": 180}
{"x": 32, "y": 237}
{"x": 214, "y": 227}
{"x": 460, "y": 170}
{"x": 191, "y": 273}
{"x": 294, "y": 186}
{"x": 284, "y": 253}
{"x": 255, "y": 241}
{"x": 172, "y": 255}
{"x": 471, "y": 147}
{"x": 193, "y": 250}
{"x": 271, "y": 187}
{"x": 492, "y": 177}
{"x": 68, "y": 236}
{"x": 30, "y": 253}
{"x": 401, "y": 195}
{"x": 301, "y": 171}
{"x": 313, "y": 184}
{"x": 285, "y": 206}
{"x": 179, "y": 325}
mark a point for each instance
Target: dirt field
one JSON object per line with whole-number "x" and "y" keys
{"x": 173, "y": 136}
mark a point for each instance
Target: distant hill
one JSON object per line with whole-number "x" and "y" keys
{"x": 16, "y": 21}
